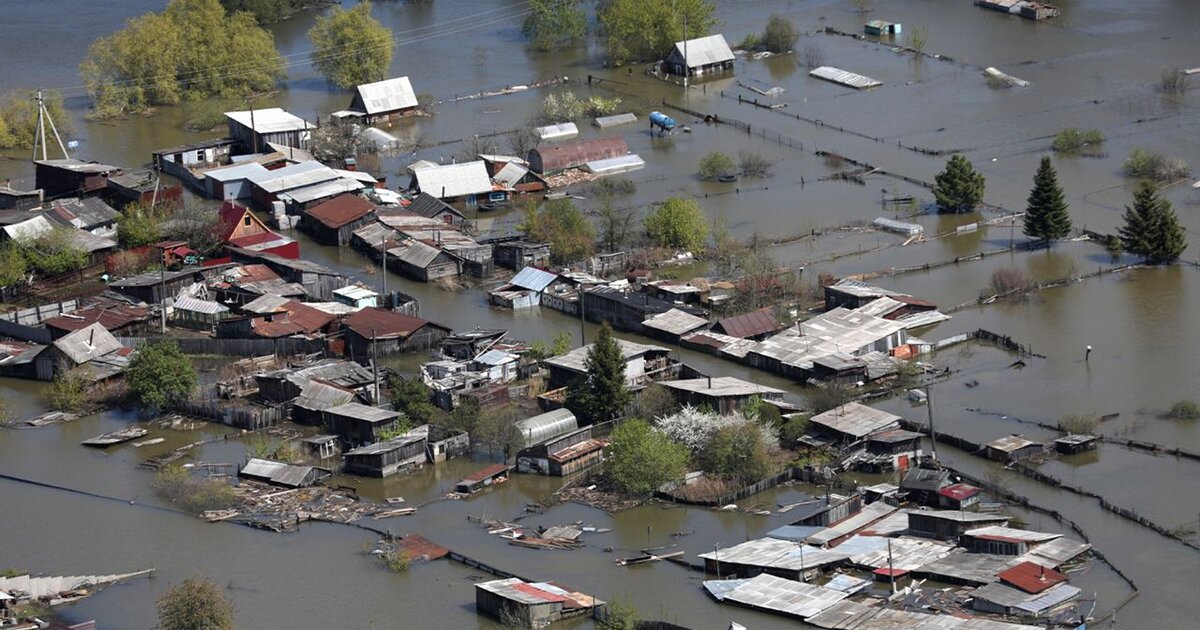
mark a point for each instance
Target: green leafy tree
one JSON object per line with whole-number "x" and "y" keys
{"x": 558, "y": 222}
{"x": 638, "y": 30}
{"x": 1046, "y": 216}
{"x": 553, "y": 23}
{"x": 271, "y": 11}
{"x": 160, "y": 374}
{"x": 351, "y": 47}
{"x": 185, "y": 52}
{"x": 55, "y": 253}
{"x": 679, "y": 223}
{"x": 138, "y": 226}
{"x": 602, "y": 394}
{"x": 780, "y": 34}
{"x": 465, "y": 416}
{"x": 959, "y": 188}
{"x": 412, "y": 397}
{"x": 716, "y": 165}
{"x": 642, "y": 459}
{"x": 1151, "y": 229}
{"x": 619, "y": 615}
{"x": 737, "y": 453}
{"x": 195, "y": 604}
{"x": 18, "y": 119}
{"x": 12, "y": 264}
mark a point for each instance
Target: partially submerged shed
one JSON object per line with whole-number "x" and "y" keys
{"x": 356, "y": 423}
{"x": 702, "y": 55}
{"x": 559, "y": 157}
{"x": 723, "y": 394}
{"x": 282, "y": 474}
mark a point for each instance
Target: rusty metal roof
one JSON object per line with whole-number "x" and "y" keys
{"x": 383, "y": 323}
{"x": 571, "y": 154}
{"x": 753, "y": 324}
{"x": 341, "y": 210}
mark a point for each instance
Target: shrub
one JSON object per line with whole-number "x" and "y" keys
{"x": 68, "y": 393}
{"x": 716, "y": 165}
{"x": 754, "y": 165}
{"x": 176, "y": 484}
{"x": 1144, "y": 164}
{"x": 751, "y": 41}
{"x": 1172, "y": 81}
{"x": 1184, "y": 410}
{"x": 397, "y": 560}
{"x": 1009, "y": 279}
{"x": 780, "y": 34}
{"x": 1072, "y": 140}
{"x": 793, "y": 430}
{"x": 814, "y": 56}
{"x": 607, "y": 187}
{"x": 1078, "y": 424}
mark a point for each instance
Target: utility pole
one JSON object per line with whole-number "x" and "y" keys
{"x": 383, "y": 264}
{"x": 717, "y": 557}
{"x": 582, "y": 317}
{"x": 891, "y": 571}
{"x": 253, "y": 133}
{"x": 929, "y": 411}
{"x": 687, "y": 68}
{"x": 162, "y": 286}
{"x": 39, "y": 136}
{"x": 375, "y": 365}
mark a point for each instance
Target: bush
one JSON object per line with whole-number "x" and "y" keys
{"x": 160, "y": 374}
{"x": 68, "y": 393}
{"x": 678, "y": 224}
{"x": 737, "y": 453}
{"x": 176, "y": 484}
{"x": 397, "y": 560}
{"x": 1156, "y": 167}
{"x": 607, "y": 187}
{"x": 1184, "y": 410}
{"x": 716, "y": 165}
{"x": 1078, "y": 424}
{"x": 1172, "y": 81}
{"x": 754, "y": 165}
{"x": 642, "y": 459}
{"x": 1009, "y": 279}
{"x": 780, "y": 34}
{"x": 1073, "y": 141}
{"x": 751, "y": 41}
{"x": 814, "y": 56}
{"x": 793, "y": 430}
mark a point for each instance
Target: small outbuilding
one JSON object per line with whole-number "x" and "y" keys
{"x": 531, "y": 605}
{"x": 383, "y": 459}
{"x": 254, "y": 129}
{"x": 384, "y": 100}
{"x": 1012, "y": 448}
{"x": 753, "y": 325}
{"x": 703, "y": 55}
{"x": 430, "y": 207}
{"x": 356, "y": 423}
{"x": 552, "y": 159}
{"x": 281, "y": 474}
{"x": 388, "y": 332}
{"x": 723, "y": 394}
{"x": 333, "y": 222}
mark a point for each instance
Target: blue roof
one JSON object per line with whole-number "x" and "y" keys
{"x": 533, "y": 279}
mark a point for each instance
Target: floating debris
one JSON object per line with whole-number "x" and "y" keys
{"x": 51, "y": 417}
{"x": 150, "y": 442}
{"x": 116, "y": 437}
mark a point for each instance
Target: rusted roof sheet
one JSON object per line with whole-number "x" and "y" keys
{"x": 341, "y": 210}
{"x": 753, "y": 324}
{"x": 571, "y": 154}
{"x": 111, "y": 317}
{"x": 419, "y": 546}
{"x": 490, "y": 471}
{"x": 383, "y": 323}
{"x": 1031, "y": 578}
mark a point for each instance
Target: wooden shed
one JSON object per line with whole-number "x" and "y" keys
{"x": 333, "y": 222}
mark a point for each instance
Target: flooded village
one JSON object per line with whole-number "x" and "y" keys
{"x": 838, "y": 314}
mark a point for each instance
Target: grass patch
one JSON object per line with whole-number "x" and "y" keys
{"x": 1184, "y": 410}
{"x": 1073, "y": 141}
{"x": 194, "y": 495}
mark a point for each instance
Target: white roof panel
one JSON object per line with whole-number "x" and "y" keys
{"x": 270, "y": 120}
{"x": 454, "y": 180}
{"x": 387, "y": 96}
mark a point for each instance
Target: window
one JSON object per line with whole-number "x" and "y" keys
{"x": 246, "y": 221}
{"x": 200, "y": 156}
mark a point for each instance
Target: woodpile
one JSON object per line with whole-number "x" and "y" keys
{"x": 570, "y": 177}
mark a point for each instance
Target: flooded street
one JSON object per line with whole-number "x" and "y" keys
{"x": 1096, "y": 66}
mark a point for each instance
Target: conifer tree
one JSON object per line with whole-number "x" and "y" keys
{"x": 1046, "y": 217}
{"x": 959, "y": 188}
{"x": 602, "y": 393}
{"x": 1151, "y": 229}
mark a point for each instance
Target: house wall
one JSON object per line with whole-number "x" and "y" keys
{"x": 425, "y": 338}
{"x": 386, "y": 464}
{"x": 355, "y": 431}
{"x": 575, "y": 465}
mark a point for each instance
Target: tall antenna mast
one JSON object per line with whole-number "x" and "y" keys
{"x": 39, "y": 136}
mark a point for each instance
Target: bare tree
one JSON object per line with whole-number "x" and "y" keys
{"x": 616, "y": 225}
{"x": 814, "y": 56}
{"x": 522, "y": 140}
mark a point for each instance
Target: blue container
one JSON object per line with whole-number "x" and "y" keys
{"x": 662, "y": 121}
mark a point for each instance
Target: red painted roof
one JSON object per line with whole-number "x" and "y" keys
{"x": 258, "y": 239}
{"x": 257, "y": 272}
{"x": 307, "y": 317}
{"x": 530, "y": 589}
{"x": 384, "y": 323}
{"x": 959, "y": 491}
{"x": 418, "y": 546}
{"x": 760, "y": 322}
{"x": 228, "y": 217}
{"x": 341, "y": 210}
{"x": 886, "y": 572}
{"x": 299, "y": 319}
{"x": 556, "y": 157}
{"x": 1031, "y": 578}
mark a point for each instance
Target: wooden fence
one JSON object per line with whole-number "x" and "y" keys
{"x": 250, "y": 418}
{"x": 285, "y": 346}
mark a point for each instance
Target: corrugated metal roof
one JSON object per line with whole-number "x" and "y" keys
{"x": 319, "y": 396}
{"x": 416, "y": 253}
{"x": 387, "y": 96}
{"x": 1056, "y": 552}
{"x": 973, "y": 568}
{"x": 546, "y": 426}
{"x": 510, "y": 174}
{"x": 495, "y": 357}
{"x": 384, "y": 323}
{"x": 752, "y": 324}
{"x": 321, "y": 190}
{"x": 864, "y": 518}
{"x": 29, "y": 229}
{"x": 908, "y": 554}
{"x": 378, "y": 448}
{"x": 88, "y": 343}
{"x": 776, "y": 554}
{"x": 533, "y": 279}
{"x": 250, "y": 171}
{"x": 1010, "y": 443}
{"x": 195, "y": 305}
{"x": 1011, "y": 533}
{"x": 1031, "y": 578}
{"x": 363, "y": 412}
{"x": 428, "y": 206}
{"x": 704, "y": 51}
{"x": 856, "y": 419}
{"x": 341, "y": 210}
{"x": 293, "y": 176}
{"x": 604, "y": 122}
{"x": 454, "y": 180}
{"x": 798, "y": 599}
{"x": 849, "y": 79}
{"x": 675, "y": 322}
{"x": 574, "y": 360}
{"x": 720, "y": 386}
{"x": 558, "y": 157}
{"x": 269, "y": 120}
{"x": 78, "y": 166}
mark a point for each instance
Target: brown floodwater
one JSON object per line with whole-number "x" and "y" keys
{"x": 1097, "y": 66}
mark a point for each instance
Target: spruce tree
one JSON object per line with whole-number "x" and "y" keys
{"x": 1151, "y": 229}
{"x": 1046, "y": 217}
{"x": 602, "y": 393}
{"x": 959, "y": 188}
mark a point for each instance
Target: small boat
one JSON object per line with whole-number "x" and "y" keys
{"x": 116, "y": 437}
{"x": 150, "y": 442}
{"x": 213, "y": 516}
{"x": 646, "y": 558}
{"x": 726, "y": 179}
